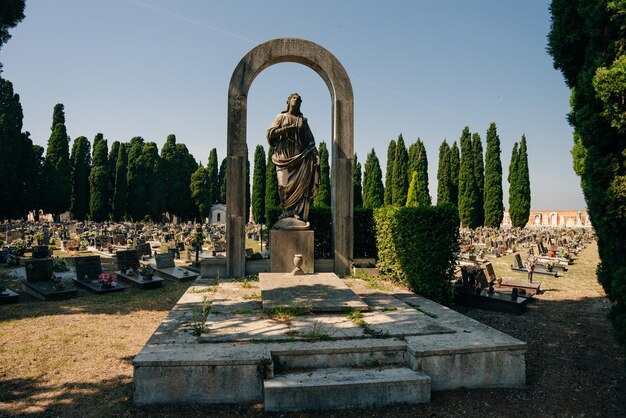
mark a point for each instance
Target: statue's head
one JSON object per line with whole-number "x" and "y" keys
{"x": 294, "y": 100}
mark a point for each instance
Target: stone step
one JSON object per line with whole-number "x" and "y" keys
{"x": 346, "y": 388}
{"x": 357, "y": 353}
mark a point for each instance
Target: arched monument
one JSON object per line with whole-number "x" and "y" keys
{"x": 334, "y": 75}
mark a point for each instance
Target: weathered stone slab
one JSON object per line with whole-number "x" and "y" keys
{"x": 8, "y": 296}
{"x": 46, "y": 291}
{"x": 38, "y": 269}
{"x": 321, "y": 292}
{"x": 285, "y": 244}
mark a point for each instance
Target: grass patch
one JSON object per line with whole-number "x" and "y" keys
{"x": 252, "y": 296}
{"x": 356, "y": 317}
{"x": 247, "y": 282}
{"x": 288, "y": 312}
{"x": 316, "y": 332}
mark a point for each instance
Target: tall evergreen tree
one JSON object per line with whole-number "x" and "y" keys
{"x": 80, "y": 161}
{"x": 373, "y": 191}
{"x": 521, "y": 210}
{"x": 136, "y": 180}
{"x": 258, "y": 185}
{"x": 411, "y": 197}
{"x": 99, "y": 208}
{"x": 121, "y": 186}
{"x": 514, "y": 191}
{"x": 248, "y": 193}
{"x": 187, "y": 166}
{"x": 468, "y": 189}
{"x": 479, "y": 178}
{"x": 272, "y": 199}
{"x": 493, "y": 205}
{"x": 168, "y": 155}
{"x": 201, "y": 191}
{"x": 213, "y": 173}
{"x": 58, "y": 169}
{"x": 391, "y": 157}
{"x": 113, "y": 153}
{"x": 421, "y": 168}
{"x": 455, "y": 168}
{"x": 357, "y": 182}
{"x": 155, "y": 181}
{"x": 322, "y": 197}
{"x": 35, "y": 179}
{"x": 444, "y": 178}
{"x": 400, "y": 173}
{"x": 11, "y": 140}
{"x": 11, "y": 13}
{"x": 222, "y": 180}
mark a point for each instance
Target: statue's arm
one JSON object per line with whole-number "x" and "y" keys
{"x": 274, "y": 131}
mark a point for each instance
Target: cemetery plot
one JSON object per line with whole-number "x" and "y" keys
{"x": 129, "y": 270}
{"x": 518, "y": 265}
{"x": 166, "y": 267}
{"x": 8, "y": 296}
{"x": 88, "y": 272}
{"x": 506, "y": 284}
{"x": 41, "y": 282}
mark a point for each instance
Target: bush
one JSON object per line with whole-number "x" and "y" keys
{"x": 417, "y": 246}
{"x": 364, "y": 233}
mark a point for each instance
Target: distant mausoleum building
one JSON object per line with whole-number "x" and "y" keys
{"x": 553, "y": 219}
{"x": 218, "y": 214}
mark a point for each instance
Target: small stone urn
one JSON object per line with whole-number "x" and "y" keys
{"x": 297, "y": 262}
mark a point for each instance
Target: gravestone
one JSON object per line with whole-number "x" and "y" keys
{"x": 165, "y": 260}
{"x": 4, "y": 254}
{"x": 41, "y": 251}
{"x": 39, "y": 281}
{"x": 128, "y": 260}
{"x": 128, "y": 270}
{"x": 166, "y": 267}
{"x": 87, "y": 271}
{"x": 144, "y": 249}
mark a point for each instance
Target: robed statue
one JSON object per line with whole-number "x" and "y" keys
{"x": 297, "y": 164}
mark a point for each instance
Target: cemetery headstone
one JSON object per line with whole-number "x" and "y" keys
{"x": 42, "y": 283}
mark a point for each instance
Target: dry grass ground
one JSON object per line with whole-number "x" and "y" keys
{"x": 73, "y": 358}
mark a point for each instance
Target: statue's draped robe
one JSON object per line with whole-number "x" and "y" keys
{"x": 297, "y": 165}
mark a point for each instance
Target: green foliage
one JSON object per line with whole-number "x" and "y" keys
{"x": 455, "y": 168}
{"x": 357, "y": 182}
{"x": 136, "y": 180}
{"x": 364, "y": 242}
{"x": 121, "y": 186}
{"x": 578, "y": 155}
{"x": 155, "y": 181}
{"x": 258, "y": 185}
{"x": 468, "y": 189}
{"x": 201, "y": 190}
{"x": 322, "y": 197}
{"x": 320, "y": 219}
{"x": 11, "y": 13}
{"x": 81, "y": 166}
{"x": 479, "y": 178}
{"x": 391, "y": 157}
{"x": 248, "y": 196}
{"x": 272, "y": 201}
{"x": 418, "y": 163}
{"x": 400, "y": 173}
{"x": 519, "y": 185}
{"x": 373, "y": 191}
{"x": 99, "y": 181}
{"x": 610, "y": 85}
{"x": 212, "y": 167}
{"x": 493, "y": 195}
{"x": 411, "y": 197}
{"x": 417, "y": 246}
{"x": 444, "y": 177}
{"x": 58, "y": 169}
{"x": 178, "y": 166}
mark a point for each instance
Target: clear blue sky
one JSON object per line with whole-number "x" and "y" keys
{"x": 421, "y": 68}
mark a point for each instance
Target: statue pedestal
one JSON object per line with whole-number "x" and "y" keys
{"x": 285, "y": 244}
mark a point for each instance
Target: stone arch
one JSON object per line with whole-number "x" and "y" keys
{"x": 336, "y": 78}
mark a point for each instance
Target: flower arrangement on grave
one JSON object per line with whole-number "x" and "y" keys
{"x": 107, "y": 279}
{"x": 18, "y": 247}
{"x": 146, "y": 272}
{"x": 83, "y": 245}
{"x": 531, "y": 262}
{"x": 470, "y": 249}
{"x": 110, "y": 248}
{"x": 549, "y": 265}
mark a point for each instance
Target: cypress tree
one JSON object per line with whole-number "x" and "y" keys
{"x": 121, "y": 186}
{"x": 455, "y": 168}
{"x": 373, "y": 191}
{"x": 222, "y": 181}
{"x": 35, "y": 179}
{"x": 11, "y": 13}
{"x": 155, "y": 181}
{"x": 391, "y": 157}
{"x": 248, "y": 194}
{"x": 512, "y": 178}
{"x": 357, "y": 183}
{"x": 479, "y": 178}
{"x": 322, "y": 197}
{"x": 400, "y": 173}
{"x": 258, "y": 185}
{"x": 80, "y": 162}
{"x": 494, "y": 207}
{"x": 29, "y": 172}
{"x": 11, "y": 119}
{"x": 136, "y": 181}
{"x": 523, "y": 187}
{"x": 187, "y": 166}
{"x": 58, "y": 168}
{"x": 468, "y": 189}
{"x": 201, "y": 191}
{"x": 411, "y": 198}
{"x": 421, "y": 168}
{"x": 272, "y": 199}
{"x": 99, "y": 181}
{"x": 170, "y": 170}
{"x": 212, "y": 168}
{"x": 113, "y": 153}
{"x": 444, "y": 178}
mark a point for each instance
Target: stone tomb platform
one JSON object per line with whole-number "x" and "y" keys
{"x": 398, "y": 351}
{"x": 318, "y": 292}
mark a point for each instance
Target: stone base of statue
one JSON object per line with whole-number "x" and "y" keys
{"x": 284, "y": 245}
{"x": 291, "y": 224}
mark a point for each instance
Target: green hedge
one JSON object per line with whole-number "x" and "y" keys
{"x": 416, "y": 246}
{"x": 364, "y": 233}
{"x": 321, "y": 222}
